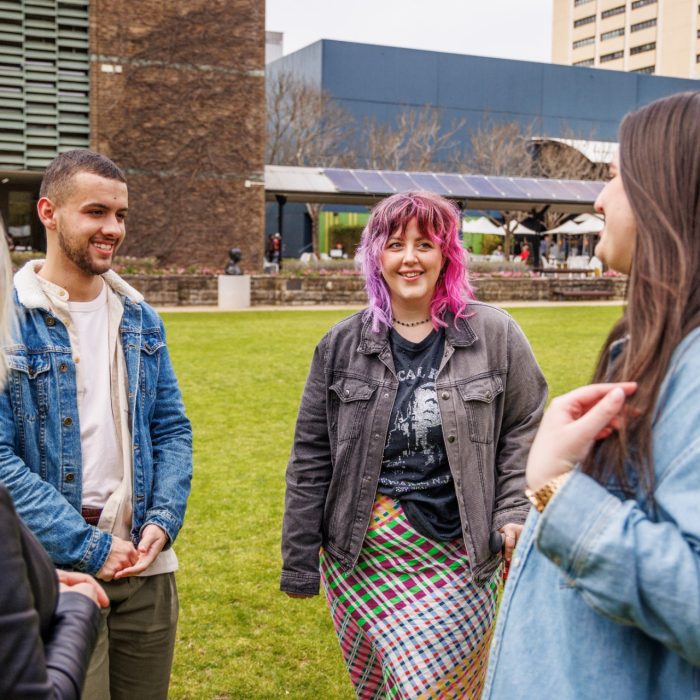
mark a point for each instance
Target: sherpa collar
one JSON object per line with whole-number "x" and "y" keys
{"x": 32, "y": 296}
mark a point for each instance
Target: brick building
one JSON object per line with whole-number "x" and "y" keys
{"x": 172, "y": 91}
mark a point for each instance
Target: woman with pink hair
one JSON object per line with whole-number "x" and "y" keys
{"x": 405, "y": 486}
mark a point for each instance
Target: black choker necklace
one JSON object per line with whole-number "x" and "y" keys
{"x": 414, "y": 323}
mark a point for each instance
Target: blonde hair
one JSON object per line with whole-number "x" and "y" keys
{"x": 5, "y": 301}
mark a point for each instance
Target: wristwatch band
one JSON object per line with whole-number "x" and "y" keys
{"x": 544, "y": 494}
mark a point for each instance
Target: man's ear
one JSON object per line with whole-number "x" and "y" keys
{"x": 47, "y": 212}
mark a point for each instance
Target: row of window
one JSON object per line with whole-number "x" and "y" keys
{"x": 614, "y": 55}
{"x": 619, "y": 10}
{"x": 616, "y": 32}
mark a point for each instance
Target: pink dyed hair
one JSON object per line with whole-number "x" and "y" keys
{"x": 438, "y": 218}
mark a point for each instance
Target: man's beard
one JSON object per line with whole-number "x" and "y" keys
{"x": 80, "y": 257}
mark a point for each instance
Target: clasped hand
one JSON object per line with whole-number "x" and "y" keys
{"x": 570, "y": 426}
{"x": 126, "y": 560}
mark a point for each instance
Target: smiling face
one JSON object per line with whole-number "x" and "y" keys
{"x": 411, "y": 264}
{"x": 619, "y": 235}
{"x": 86, "y": 226}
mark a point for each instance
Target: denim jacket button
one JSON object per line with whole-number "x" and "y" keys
{"x": 50, "y": 321}
{"x": 68, "y": 422}
{"x": 70, "y": 477}
{"x": 451, "y": 438}
{"x": 63, "y": 367}
{"x": 445, "y": 395}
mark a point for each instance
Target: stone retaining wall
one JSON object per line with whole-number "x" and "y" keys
{"x": 270, "y": 290}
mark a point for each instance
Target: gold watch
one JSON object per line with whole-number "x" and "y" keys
{"x": 544, "y": 494}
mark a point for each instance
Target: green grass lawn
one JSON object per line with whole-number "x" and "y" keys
{"x": 242, "y": 375}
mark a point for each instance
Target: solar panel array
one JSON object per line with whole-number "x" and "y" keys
{"x": 382, "y": 183}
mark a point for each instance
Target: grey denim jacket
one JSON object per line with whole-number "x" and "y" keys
{"x": 491, "y": 395}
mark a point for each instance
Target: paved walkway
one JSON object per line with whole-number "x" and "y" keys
{"x": 341, "y": 307}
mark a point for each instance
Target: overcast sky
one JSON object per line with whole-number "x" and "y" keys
{"x": 520, "y": 29}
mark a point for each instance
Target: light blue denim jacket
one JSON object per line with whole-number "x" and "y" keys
{"x": 40, "y": 454}
{"x": 603, "y": 597}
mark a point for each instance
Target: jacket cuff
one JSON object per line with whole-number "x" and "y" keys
{"x": 96, "y": 553}
{"x": 303, "y": 584}
{"x": 165, "y": 521}
{"x": 574, "y": 517}
{"x": 511, "y": 515}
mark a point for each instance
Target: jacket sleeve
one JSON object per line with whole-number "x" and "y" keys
{"x": 634, "y": 565}
{"x": 524, "y": 401}
{"x": 68, "y": 539}
{"x": 171, "y": 442}
{"x": 308, "y": 477}
{"x": 27, "y": 668}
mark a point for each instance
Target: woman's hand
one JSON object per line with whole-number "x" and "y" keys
{"x": 511, "y": 534}
{"x": 571, "y": 425}
{"x": 82, "y": 583}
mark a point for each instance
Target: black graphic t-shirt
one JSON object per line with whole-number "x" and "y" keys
{"x": 415, "y": 470}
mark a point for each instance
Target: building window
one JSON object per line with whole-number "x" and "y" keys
{"x": 647, "y": 69}
{"x": 642, "y": 3}
{"x": 620, "y": 9}
{"x": 581, "y": 2}
{"x": 643, "y": 25}
{"x": 584, "y": 20}
{"x": 611, "y": 35}
{"x": 587, "y": 62}
{"x": 584, "y": 42}
{"x": 643, "y": 48}
{"x": 611, "y": 56}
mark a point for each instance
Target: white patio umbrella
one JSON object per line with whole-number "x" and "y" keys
{"x": 589, "y": 223}
{"x": 568, "y": 227}
{"x": 519, "y": 230}
{"x": 481, "y": 225}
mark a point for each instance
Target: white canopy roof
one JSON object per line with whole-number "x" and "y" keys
{"x": 481, "y": 225}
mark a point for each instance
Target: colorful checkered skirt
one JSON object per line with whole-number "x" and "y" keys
{"x": 410, "y": 621}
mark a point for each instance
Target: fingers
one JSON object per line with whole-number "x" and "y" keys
{"x": 511, "y": 534}
{"x": 602, "y": 415}
{"x": 69, "y": 580}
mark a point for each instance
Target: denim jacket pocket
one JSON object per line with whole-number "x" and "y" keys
{"x": 30, "y": 380}
{"x": 353, "y": 397}
{"x": 151, "y": 343}
{"x": 478, "y": 396}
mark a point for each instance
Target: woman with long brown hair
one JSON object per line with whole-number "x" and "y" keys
{"x": 603, "y": 598}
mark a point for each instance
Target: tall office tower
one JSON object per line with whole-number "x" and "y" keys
{"x": 660, "y": 37}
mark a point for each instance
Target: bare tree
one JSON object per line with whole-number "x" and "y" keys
{"x": 416, "y": 141}
{"x": 510, "y": 149}
{"x": 305, "y": 127}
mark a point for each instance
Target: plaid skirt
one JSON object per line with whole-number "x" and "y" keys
{"x": 410, "y": 621}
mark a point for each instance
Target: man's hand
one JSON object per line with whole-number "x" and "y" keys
{"x": 82, "y": 583}
{"x": 121, "y": 555}
{"x": 153, "y": 540}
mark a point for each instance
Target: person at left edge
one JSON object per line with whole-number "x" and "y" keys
{"x": 95, "y": 447}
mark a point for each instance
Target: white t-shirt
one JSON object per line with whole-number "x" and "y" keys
{"x": 102, "y": 456}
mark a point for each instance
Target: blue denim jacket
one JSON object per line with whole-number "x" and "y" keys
{"x": 603, "y": 598}
{"x": 40, "y": 457}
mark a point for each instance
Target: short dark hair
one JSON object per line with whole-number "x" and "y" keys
{"x": 61, "y": 169}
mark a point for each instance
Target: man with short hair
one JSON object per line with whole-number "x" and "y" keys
{"x": 95, "y": 447}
